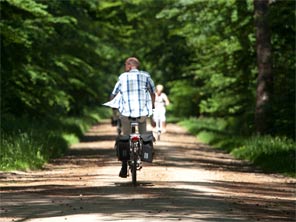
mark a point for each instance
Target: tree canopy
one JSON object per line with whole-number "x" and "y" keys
{"x": 58, "y": 57}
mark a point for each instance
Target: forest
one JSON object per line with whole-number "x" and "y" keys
{"x": 228, "y": 67}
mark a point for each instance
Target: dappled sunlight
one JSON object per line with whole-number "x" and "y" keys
{"x": 187, "y": 181}
{"x": 159, "y": 202}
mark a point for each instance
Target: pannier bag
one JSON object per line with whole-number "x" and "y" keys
{"x": 147, "y": 149}
{"x": 122, "y": 147}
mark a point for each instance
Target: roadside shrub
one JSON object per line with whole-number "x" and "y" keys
{"x": 272, "y": 153}
{"x": 21, "y": 151}
{"x": 29, "y": 143}
{"x": 197, "y": 125}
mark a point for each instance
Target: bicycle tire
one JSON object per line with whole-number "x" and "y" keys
{"x": 134, "y": 172}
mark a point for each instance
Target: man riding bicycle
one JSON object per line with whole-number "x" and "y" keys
{"x": 137, "y": 99}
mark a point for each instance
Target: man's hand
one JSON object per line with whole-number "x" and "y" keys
{"x": 112, "y": 96}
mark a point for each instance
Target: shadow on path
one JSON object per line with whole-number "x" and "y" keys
{"x": 72, "y": 186}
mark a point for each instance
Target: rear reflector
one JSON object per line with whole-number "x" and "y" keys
{"x": 135, "y": 138}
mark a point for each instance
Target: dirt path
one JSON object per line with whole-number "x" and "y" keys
{"x": 188, "y": 181}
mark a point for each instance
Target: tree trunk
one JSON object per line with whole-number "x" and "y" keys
{"x": 263, "y": 112}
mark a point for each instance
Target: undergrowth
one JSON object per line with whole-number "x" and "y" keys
{"x": 28, "y": 143}
{"x": 273, "y": 154}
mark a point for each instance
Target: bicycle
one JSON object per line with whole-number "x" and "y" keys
{"x": 135, "y": 148}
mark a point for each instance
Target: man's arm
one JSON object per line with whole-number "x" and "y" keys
{"x": 115, "y": 90}
{"x": 151, "y": 89}
{"x": 111, "y": 96}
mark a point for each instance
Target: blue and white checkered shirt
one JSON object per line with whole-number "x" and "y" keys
{"x": 135, "y": 87}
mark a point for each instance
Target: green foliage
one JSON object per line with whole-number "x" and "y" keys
{"x": 59, "y": 57}
{"x": 53, "y": 57}
{"x": 183, "y": 97}
{"x": 221, "y": 62}
{"x": 273, "y": 154}
{"x": 21, "y": 152}
{"x": 213, "y": 30}
{"x": 196, "y": 126}
{"x": 29, "y": 143}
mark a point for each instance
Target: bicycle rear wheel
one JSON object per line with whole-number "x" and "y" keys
{"x": 134, "y": 172}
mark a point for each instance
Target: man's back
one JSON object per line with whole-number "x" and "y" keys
{"x": 135, "y": 87}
